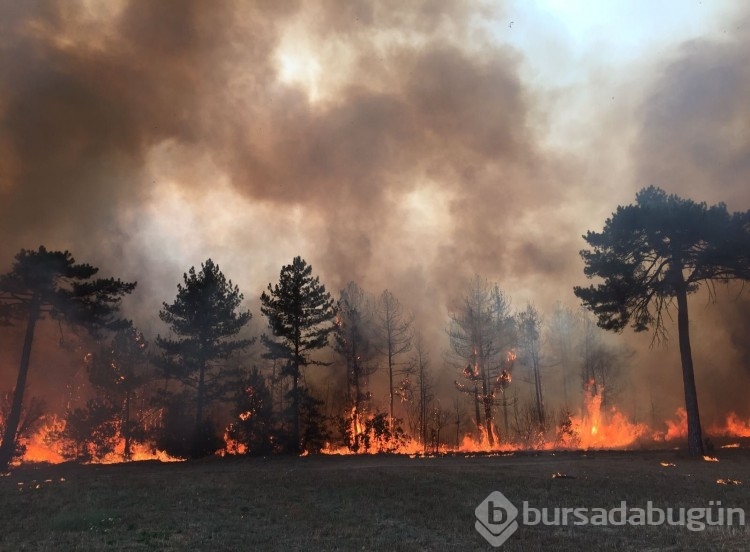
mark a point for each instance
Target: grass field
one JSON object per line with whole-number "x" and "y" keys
{"x": 361, "y": 503}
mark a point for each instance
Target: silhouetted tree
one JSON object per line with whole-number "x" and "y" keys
{"x": 656, "y": 252}
{"x": 253, "y": 412}
{"x": 300, "y": 315}
{"x": 314, "y": 432}
{"x": 91, "y": 431}
{"x": 32, "y": 418}
{"x": 206, "y": 319}
{"x": 119, "y": 371}
{"x": 353, "y": 341}
{"x": 50, "y": 283}
{"x": 394, "y": 336}
{"x": 420, "y": 363}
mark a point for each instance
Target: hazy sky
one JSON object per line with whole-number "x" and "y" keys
{"x": 406, "y": 145}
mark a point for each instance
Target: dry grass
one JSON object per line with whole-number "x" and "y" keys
{"x": 359, "y": 503}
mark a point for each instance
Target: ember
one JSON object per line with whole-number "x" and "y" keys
{"x": 729, "y": 481}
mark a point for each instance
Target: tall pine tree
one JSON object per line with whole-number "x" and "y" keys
{"x": 300, "y": 314}
{"x": 206, "y": 319}
{"x": 654, "y": 254}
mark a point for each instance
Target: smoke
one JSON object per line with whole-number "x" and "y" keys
{"x": 694, "y": 140}
{"x": 395, "y": 145}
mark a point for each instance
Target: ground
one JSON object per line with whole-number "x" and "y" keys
{"x": 362, "y": 503}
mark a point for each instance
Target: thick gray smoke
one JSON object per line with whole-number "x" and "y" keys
{"x": 388, "y": 143}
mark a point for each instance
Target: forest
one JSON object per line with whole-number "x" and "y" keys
{"x": 350, "y": 372}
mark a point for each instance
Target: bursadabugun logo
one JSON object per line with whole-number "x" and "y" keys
{"x": 496, "y": 518}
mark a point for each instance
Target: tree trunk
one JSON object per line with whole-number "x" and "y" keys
{"x": 390, "y": 387}
{"x": 423, "y": 405}
{"x": 695, "y": 438}
{"x": 487, "y": 400}
{"x": 126, "y": 427}
{"x": 8, "y": 447}
{"x": 477, "y": 412}
{"x": 200, "y": 397}
{"x": 295, "y": 413}
{"x": 356, "y": 407}
{"x": 539, "y": 394}
{"x": 506, "y": 427}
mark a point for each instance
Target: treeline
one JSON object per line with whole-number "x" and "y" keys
{"x": 192, "y": 392}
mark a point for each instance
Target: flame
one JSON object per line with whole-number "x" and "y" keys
{"x": 733, "y": 426}
{"x": 728, "y": 481}
{"x": 232, "y": 446}
{"x": 46, "y": 445}
{"x": 377, "y": 444}
{"x": 598, "y": 428}
{"x": 594, "y": 428}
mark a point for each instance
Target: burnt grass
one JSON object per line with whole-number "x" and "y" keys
{"x": 361, "y": 503}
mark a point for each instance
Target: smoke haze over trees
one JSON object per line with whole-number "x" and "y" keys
{"x": 403, "y": 147}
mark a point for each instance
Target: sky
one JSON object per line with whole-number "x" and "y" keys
{"x": 406, "y": 146}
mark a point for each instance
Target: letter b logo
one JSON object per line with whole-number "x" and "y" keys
{"x": 496, "y": 518}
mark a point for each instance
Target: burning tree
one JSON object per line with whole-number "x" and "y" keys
{"x": 32, "y": 418}
{"x": 394, "y": 335}
{"x": 206, "y": 319}
{"x": 118, "y": 372}
{"x": 481, "y": 334}
{"x": 299, "y": 312}
{"x": 353, "y": 341}
{"x": 654, "y": 253}
{"x": 51, "y": 284}
{"x": 601, "y": 363}
{"x": 254, "y": 427}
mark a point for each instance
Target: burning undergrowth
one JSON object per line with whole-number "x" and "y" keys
{"x": 593, "y": 427}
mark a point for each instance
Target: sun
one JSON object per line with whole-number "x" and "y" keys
{"x": 297, "y": 66}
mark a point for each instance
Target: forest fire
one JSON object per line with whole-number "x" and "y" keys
{"x": 593, "y": 427}
{"x": 733, "y": 426}
{"x": 46, "y": 445}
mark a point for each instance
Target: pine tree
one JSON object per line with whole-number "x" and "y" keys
{"x": 300, "y": 314}
{"x": 655, "y": 253}
{"x": 51, "y": 284}
{"x": 206, "y": 319}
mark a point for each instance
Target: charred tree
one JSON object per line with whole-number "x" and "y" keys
{"x": 394, "y": 338}
{"x": 653, "y": 254}
{"x": 50, "y": 284}
{"x": 353, "y": 341}
{"x": 481, "y": 334}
